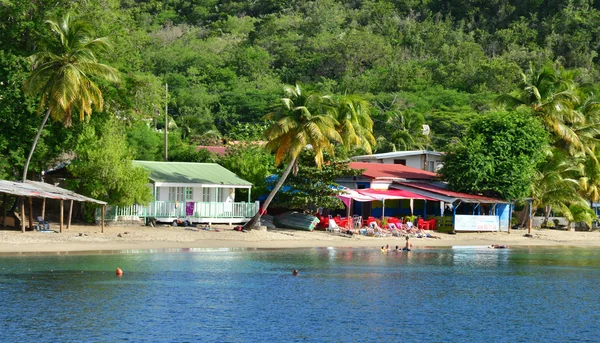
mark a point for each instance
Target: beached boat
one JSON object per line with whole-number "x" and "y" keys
{"x": 297, "y": 221}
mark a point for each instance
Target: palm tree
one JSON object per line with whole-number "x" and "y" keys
{"x": 61, "y": 74}
{"x": 589, "y": 181}
{"x": 551, "y": 94}
{"x": 407, "y": 130}
{"x": 303, "y": 120}
{"x": 587, "y": 129}
{"x": 555, "y": 185}
{"x": 355, "y": 126}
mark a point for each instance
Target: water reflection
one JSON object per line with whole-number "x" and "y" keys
{"x": 340, "y": 295}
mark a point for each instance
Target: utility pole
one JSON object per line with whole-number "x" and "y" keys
{"x": 166, "y": 122}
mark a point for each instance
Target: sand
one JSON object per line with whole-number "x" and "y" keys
{"x": 81, "y": 238}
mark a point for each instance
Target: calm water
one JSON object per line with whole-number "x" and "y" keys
{"x": 342, "y": 295}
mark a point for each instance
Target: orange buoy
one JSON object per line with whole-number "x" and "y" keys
{"x": 119, "y": 272}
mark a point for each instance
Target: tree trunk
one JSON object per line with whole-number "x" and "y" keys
{"x": 256, "y": 219}
{"x": 37, "y": 137}
{"x": 547, "y": 210}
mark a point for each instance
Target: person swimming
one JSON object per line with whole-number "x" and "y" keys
{"x": 408, "y": 246}
{"x": 295, "y": 272}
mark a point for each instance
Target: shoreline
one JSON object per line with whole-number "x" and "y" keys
{"x": 88, "y": 239}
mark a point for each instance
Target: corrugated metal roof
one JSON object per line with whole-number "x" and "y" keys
{"x": 188, "y": 172}
{"x": 394, "y": 171}
{"x": 464, "y": 197}
{"x": 37, "y": 189}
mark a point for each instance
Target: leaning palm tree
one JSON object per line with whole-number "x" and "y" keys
{"x": 61, "y": 74}
{"x": 304, "y": 119}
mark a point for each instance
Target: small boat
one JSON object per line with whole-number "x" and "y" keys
{"x": 297, "y": 221}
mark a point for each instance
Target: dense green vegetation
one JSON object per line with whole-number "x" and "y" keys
{"x": 434, "y": 62}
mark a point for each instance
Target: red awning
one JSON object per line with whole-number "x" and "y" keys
{"x": 448, "y": 193}
{"x": 353, "y": 194}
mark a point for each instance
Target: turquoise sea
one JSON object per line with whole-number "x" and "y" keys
{"x": 468, "y": 294}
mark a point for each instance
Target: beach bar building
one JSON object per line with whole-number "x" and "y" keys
{"x": 193, "y": 192}
{"x": 424, "y": 197}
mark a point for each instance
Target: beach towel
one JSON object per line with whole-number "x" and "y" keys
{"x": 189, "y": 208}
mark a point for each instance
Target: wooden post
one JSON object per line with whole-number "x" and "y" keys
{"x": 103, "y": 209}
{"x": 70, "y": 214}
{"x": 348, "y": 210}
{"x": 22, "y": 215}
{"x": 62, "y": 210}
{"x": 530, "y": 217}
{"x": 4, "y": 210}
{"x": 509, "y": 216}
{"x": 30, "y": 214}
{"x": 44, "y": 209}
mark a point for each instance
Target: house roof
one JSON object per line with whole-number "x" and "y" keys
{"x": 392, "y": 171}
{"x": 445, "y": 195}
{"x": 219, "y": 150}
{"x": 188, "y": 172}
{"x": 396, "y": 154}
{"x": 37, "y": 189}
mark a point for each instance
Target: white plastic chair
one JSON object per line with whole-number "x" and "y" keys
{"x": 333, "y": 227}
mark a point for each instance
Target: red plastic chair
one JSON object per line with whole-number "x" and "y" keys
{"x": 432, "y": 223}
{"x": 323, "y": 222}
{"x": 422, "y": 224}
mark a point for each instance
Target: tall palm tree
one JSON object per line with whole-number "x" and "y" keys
{"x": 61, "y": 74}
{"x": 303, "y": 119}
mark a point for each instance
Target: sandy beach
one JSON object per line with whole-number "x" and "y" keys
{"x": 81, "y": 238}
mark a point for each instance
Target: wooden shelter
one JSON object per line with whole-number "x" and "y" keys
{"x": 34, "y": 189}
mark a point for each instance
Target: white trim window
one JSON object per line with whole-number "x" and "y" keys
{"x": 189, "y": 194}
{"x": 205, "y": 194}
{"x": 176, "y": 194}
{"x": 218, "y": 194}
{"x": 431, "y": 166}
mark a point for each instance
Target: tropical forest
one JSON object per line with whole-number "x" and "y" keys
{"x": 508, "y": 90}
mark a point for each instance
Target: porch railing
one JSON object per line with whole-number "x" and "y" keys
{"x": 170, "y": 209}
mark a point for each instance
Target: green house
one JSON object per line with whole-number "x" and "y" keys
{"x": 196, "y": 192}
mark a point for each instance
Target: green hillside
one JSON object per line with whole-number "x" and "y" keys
{"x": 435, "y": 62}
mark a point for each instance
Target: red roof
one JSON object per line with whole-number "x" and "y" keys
{"x": 219, "y": 150}
{"x": 449, "y": 193}
{"x": 392, "y": 194}
{"x": 382, "y": 170}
